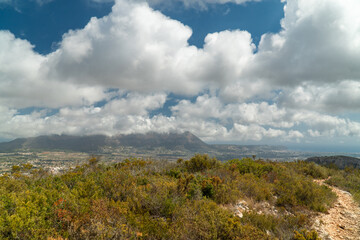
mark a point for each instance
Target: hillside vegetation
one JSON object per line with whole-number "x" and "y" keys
{"x": 339, "y": 161}
{"x": 149, "y": 199}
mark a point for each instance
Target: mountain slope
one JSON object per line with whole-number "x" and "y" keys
{"x": 339, "y": 161}
{"x": 55, "y": 142}
{"x": 157, "y": 145}
{"x": 170, "y": 141}
{"x": 95, "y": 143}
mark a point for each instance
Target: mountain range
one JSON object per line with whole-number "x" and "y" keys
{"x": 164, "y": 145}
{"x": 96, "y": 143}
{"x": 167, "y": 145}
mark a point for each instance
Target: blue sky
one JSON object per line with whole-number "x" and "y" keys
{"x": 43, "y": 25}
{"x": 230, "y": 71}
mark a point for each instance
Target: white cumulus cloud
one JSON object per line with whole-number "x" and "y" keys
{"x": 199, "y": 4}
{"x": 117, "y": 73}
{"x": 319, "y": 42}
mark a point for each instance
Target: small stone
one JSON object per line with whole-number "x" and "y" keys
{"x": 342, "y": 226}
{"x": 317, "y": 222}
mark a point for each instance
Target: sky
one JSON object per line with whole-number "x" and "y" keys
{"x": 281, "y": 72}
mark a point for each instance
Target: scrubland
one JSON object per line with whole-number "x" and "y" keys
{"x": 153, "y": 199}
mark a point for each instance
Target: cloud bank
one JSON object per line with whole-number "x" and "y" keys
{"x": 118, "y": 73}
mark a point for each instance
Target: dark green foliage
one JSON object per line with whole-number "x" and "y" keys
{"x": 261, "y": 221}
{"x": 347, "y": 179}
{"x": 15, "y": 169}
{"x": 279, "y": 226}
{"x": 310, "y": 169}
{"x": 200, "y": 163}
{"x": 175, "y": 173}
{"x": 296, "y": 190}
{"x": 337, "y": 162}
{"x": 305, "y": 235}
{"x": 205, "y": 220}
{"x": 254, "y": 187}
{"x": 248, "y": 165}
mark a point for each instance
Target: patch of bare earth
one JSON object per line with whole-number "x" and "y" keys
{"x": 342, "y": 221}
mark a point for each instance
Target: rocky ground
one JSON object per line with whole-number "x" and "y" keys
{"x": 342, "y": 221}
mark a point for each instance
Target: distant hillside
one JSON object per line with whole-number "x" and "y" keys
{"x": 171, "y": 141}
{"x": 157, "y": 145}
{"x": 95, "y": 143}
{"x": 339, "y": 161}
{"x": 55, "y": 142}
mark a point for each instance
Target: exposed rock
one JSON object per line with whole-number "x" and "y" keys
{"x": 342, "y": 220}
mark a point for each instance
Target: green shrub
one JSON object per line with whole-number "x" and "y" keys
{"x": 348, "y": 180}
{"x": 206, "y": 220}
{"x": 296, "y": 190}
{"x": 254, "y": 187}
{"x": 175, "y": 173}
{"x": 306, "y": 235}
{"x": 247, "y": 165}
{"x": 200, "y": 163}
{"x": 309, "y": 169}
{"x": 227, "y": 193}
{"x": 261, "y": 221}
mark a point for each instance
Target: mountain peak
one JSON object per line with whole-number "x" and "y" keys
{"x": 94, "y": 143}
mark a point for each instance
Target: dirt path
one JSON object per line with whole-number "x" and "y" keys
{"x": 342, "y": 221}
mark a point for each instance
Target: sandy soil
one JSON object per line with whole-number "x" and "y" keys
{"x": 343, "y": 219}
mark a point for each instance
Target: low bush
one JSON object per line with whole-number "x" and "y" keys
{"x": 306, "y": 235}
{"x": 200, "y": 163}
{"x": 296, "y": 190}
{"x": 309, "y": 169}
{"x": 348, "y": 180}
